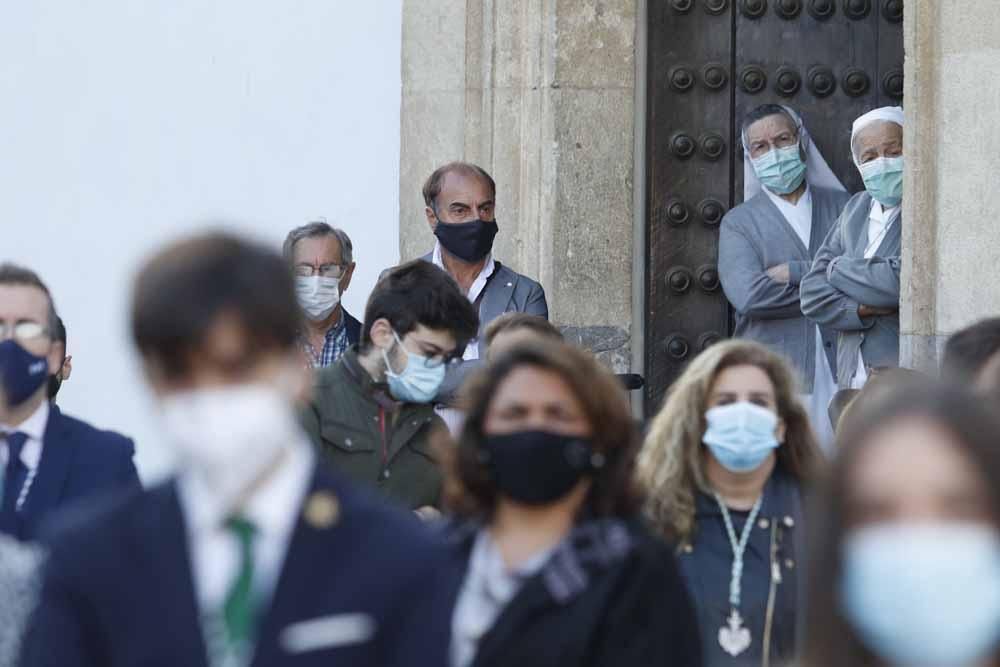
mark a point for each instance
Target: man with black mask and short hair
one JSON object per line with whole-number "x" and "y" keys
{"x": 460, "y": 201}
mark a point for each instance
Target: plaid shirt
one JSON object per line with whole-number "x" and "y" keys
{"x": 335, "y": 343}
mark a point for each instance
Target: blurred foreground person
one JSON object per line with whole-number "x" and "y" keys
{"x": 19, "y": 581}
{"x": 512, "y": 328}
{"x": 972, "y": 356}
{"x": 253, "y": 554}
{"x": 906, "y": 546}
{"x": 724, "y": 466}
{"x": 372, "y": 415}
{"x": 49, "y": 460}
{"x": 556, "y": 566}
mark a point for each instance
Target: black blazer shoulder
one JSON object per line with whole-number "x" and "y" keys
{"x": 353, "y": 327}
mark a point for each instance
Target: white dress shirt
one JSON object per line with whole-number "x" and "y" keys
{"x": 489, "y": 585}
{"x": 799, "y": 216}
{"x": 273, "y": 508}
{"x": 880, "y": 220}
{"x": 31, "y": 453}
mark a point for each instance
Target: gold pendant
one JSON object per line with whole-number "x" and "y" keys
{"x": 734, "y": 638}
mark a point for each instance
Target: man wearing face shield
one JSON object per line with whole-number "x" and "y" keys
{"x": 372, "y": 414}
{"x": 253, "y": 553}
{"x": 853, "y": 285}
{"x": 460, "y": 206}
{"x": 322, "y": 258}
{"x": 48, "y": 460}
{"x": 766, "y": 245}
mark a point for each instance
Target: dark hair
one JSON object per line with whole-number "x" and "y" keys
{"x": 183, "y": 290}
{"x": 470, "y": 489}
{"x": 432, "y": 187}
{"x": 514, "y": 321}
{"x": 830, "y": 640}
{"x": 763, "y": 111}
{"x": 15, "y": 275}
{"x": 58, "y": 335}
{"x": 419, "y": 293}
{"x": 315, "y": 229}
{"x": 967, "y": 351}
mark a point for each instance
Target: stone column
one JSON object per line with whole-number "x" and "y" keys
{"x": 951, "y": 234}
{"x": 541, "y": 94}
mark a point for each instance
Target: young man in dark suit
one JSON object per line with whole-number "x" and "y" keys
{"x": 253, "y": 554}
{"x": 48, "y": 460}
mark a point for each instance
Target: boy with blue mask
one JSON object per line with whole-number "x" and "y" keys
{"x": 767, "y": 244}
{"x": 853, "y": 286}
{"x": 372, "y": 414}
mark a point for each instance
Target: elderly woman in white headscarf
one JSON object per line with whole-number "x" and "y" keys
{"x": 853, "y": 286}
{"x": 767, "y": 244}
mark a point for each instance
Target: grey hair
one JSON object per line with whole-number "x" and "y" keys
{"x": 315, "y": 229}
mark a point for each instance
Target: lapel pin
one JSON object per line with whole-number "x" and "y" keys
{"x": 510, "y": 284}
{"x": 322, "y": 510}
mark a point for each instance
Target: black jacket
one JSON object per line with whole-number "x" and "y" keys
{"x": 770, "y": 573}
{"x": 609, "y": 596}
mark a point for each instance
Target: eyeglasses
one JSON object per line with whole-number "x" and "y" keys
{"x": 23, "y": 331}
{"x": 335, "y": 271}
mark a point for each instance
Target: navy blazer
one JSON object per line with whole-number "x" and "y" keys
{"x": 78, "y": 461}
{"x": 118, "y": 588}
{"x": 353, "y": 327}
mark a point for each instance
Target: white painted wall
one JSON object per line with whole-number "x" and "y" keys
{"x": 124, "y": 123}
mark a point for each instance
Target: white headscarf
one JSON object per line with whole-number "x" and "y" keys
{"x": 882, "y": 114}
{"x": 818, "y": 172}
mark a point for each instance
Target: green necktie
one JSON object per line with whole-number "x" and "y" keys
{"x": 238, "y": 610}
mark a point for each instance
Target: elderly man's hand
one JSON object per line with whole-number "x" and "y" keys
{"x": 780, "y": 274}
{"x": 872, "y": 311}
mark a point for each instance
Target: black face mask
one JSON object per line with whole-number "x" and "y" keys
{"x": 538, "y": 467}
{"x": 469, "y": 241}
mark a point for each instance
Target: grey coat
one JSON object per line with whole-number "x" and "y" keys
{"x": 754, "y": 237}
{"x": 506, "y": 291}
{"x": 841, "y": 280}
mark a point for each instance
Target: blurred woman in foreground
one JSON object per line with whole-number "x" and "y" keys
{"x": 556, "y": 568}
{"x": 906, "y": 565}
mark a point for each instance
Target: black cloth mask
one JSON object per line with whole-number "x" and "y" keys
{"x": 469, "y": 241}
{"x": 537, "y": 467}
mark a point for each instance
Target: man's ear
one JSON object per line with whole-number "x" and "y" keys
{"x": 345, "y": 280}
{"x": 432, "y": 218}
{"x": 381, "y": 334}
{"x": 67, "y": 367}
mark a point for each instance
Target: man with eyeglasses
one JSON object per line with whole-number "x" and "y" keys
{"x": 322, "y": 257}
{"x": 371, "y": 413}
{"x": 48, "y": 460}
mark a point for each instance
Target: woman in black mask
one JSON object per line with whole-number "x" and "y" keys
{"x": 556, "y": 568}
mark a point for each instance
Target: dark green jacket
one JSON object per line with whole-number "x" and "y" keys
{"x": 371, "y": 438}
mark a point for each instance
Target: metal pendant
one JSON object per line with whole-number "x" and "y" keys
{"x": 733, "y": 637}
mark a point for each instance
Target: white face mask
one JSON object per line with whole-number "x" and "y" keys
{"x": 318, "y": 296}
{"x": 230, "y": 436}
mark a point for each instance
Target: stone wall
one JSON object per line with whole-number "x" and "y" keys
{"x": 951, "y": 234}
{"x": 541, "y": 94}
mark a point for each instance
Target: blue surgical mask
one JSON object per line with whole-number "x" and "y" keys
{"x": 21, "y": 372}
{"x": 419, "y": 380}
{"x": 924, "y": 594}
{"x": 741, "y": 435}
{"x": 781, "y": 170}
{"x": 884, "y": 180}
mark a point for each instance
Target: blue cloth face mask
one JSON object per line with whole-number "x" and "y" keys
{"x": 419, "y": 380}
{"x": 884, "y": 180}
{"x": 21, "y": 372}
{"x": 741, "y": 435}
{"x": 924, "y": 593}
{"x": 781, "y": 170}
